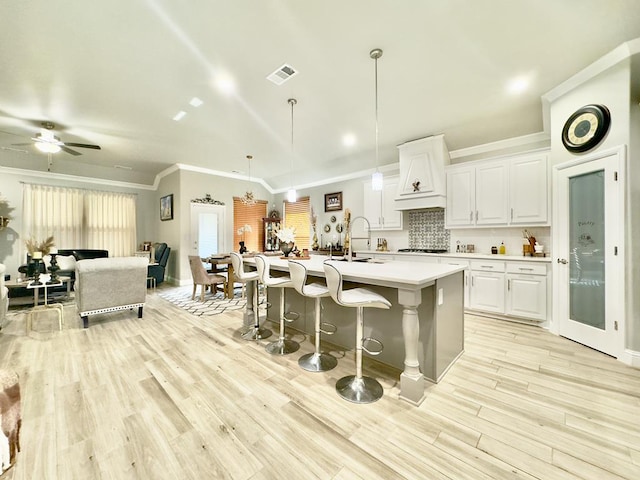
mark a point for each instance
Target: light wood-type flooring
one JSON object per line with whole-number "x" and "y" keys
{"x": 174, "y": 396}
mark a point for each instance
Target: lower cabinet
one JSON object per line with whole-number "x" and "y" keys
{"x": 467, "y": 274}
{"x": 527, "y": 291}
{"x": 487, "y": 286}
{"x": 514, "y": 289}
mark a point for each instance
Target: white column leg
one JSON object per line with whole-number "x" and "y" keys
{"x": 411, "y": 379}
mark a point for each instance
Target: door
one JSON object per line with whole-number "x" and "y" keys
{"x": 588, "y": 231}
{"x": 528, "y": 190}
{"x": 207, "y": 229}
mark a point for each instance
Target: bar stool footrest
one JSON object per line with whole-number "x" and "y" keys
{"x": 256, "y": 333}
{"x": 291, "y": 317}
{"x": 328, "y": 328}
{"x": 375, "y": 341}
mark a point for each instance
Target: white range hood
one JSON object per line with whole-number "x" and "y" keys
{"x": 422, "y": 178}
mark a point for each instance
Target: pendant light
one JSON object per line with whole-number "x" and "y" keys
{"x": 291, "y": 194}
{"x": 376, "y": 177}
{"x": 248, "y": 198}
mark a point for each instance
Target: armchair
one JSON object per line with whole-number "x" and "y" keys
{"x": 157, "y": 270}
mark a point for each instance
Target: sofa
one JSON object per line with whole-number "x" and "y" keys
{"x": 158, "y": 269}
{"x": 106, "y": 285}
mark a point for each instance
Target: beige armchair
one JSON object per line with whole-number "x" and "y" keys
{"x": 202, "y": 277}
{"x": 110, "y": 284}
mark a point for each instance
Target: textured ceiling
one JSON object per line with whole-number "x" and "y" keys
{"x": 114, "y": 73}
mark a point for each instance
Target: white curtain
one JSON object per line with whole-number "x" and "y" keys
{"x": 81, "y": 218}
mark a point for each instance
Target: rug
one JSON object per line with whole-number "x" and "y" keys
{"x": 212, "y": 305}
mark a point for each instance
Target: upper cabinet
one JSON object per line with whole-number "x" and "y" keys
{"x": 422, "y": 178}
{"x": 379, "y": 206}
{"x": 510, "y": 191}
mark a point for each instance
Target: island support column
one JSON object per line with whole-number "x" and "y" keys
{"x": 411, "y": 379}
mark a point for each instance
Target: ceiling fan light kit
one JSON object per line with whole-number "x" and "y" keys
{"x": 47, "y": 142}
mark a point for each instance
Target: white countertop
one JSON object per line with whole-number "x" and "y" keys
{"x": 392, "y": 273}
{"x": 468, "y": 256}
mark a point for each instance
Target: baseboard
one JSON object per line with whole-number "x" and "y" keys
{"x": 630, "y": 357}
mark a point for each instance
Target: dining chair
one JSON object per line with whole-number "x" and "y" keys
{"x": 202, "y": 277}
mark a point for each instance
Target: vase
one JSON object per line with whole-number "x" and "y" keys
{"x": 242, "y": 249}
{"x": 315, "y": 245}
{"x": 286, "y": 248}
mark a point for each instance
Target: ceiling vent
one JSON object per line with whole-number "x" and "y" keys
{"x": 282, "y": 74}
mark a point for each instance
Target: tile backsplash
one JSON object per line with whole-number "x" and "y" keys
{"x": 426, "y": 229}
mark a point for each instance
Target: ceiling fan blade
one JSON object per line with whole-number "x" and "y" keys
{"x": 83, "y": 145}
{"x": 22, "y": 144}
{"x": 68, "y": 150}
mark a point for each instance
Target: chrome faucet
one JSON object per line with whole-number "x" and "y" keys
{"x": 368, "y": 237}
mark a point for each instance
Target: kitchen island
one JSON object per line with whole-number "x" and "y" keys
{"x": 422, "y": 332}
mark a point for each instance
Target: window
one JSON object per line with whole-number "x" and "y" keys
{"x": 252, "y": 216}
{"x": 296, "y": 215}
{"x": 79, "y": 218}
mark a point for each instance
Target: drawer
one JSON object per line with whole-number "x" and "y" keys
{"x": 487, "y": 265}
{"x": 528, "y": 268}
{"x": 454, "y": 261}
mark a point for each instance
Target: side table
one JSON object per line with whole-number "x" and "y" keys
{"x": 47, "y": 306}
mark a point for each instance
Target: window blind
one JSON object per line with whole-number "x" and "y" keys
{"x": 296, "y": 215}
{"x": 252, "y": 216}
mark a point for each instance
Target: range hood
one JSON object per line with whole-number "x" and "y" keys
{"x": 422, "y": 178}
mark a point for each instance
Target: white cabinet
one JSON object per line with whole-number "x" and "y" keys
{"x": 527, "y": 291}
{"x": 509, "y": 191}
{"x": 422, "y": 179}
{"x": 487, "y": 291}
{"x": 529, "y": 189}
{"x": 467, "y": 274}
{"x": 379, "y": 206}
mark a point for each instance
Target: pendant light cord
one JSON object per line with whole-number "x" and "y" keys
{"x": 376, "y": 83}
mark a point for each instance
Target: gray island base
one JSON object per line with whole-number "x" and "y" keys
{"x": 422, "y": 332}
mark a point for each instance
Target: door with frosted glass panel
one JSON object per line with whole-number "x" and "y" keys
{"x": 588, "y": 263}
{"x": 207, "y": 229}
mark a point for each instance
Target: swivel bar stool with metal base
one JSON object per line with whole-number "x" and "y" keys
{"x": 256, "y": 332}
{"x": 356, "y": 388}
{"x": 316, "y": 361}
{"x": 282, "y": 346}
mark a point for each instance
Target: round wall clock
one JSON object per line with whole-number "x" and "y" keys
{"x": 585, "y": 128}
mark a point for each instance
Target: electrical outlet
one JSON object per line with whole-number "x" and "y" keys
{"x": 440, "y": 296}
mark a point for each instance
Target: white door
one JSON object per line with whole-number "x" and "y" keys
{"x": 207, "y": 229}
{"x": 589, "y": 267}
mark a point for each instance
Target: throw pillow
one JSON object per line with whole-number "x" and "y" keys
{"x": 66, "y": 263}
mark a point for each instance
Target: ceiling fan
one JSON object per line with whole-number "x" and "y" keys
{"x": 47, "y": 142}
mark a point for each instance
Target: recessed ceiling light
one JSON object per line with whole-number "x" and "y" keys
{"x": 349, "y": 140}
{"x": 225, "y": 84}
{"x": 518, "y": 85}
{"x": 180, "y": 115}
{"x": 195, "y": 102}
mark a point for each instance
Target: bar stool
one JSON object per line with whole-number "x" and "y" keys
{"x": 316, "y": 361}
{"x": 356, "y": 388}
{"x": 282, "y": 346}
{"x": 256, "y": 332}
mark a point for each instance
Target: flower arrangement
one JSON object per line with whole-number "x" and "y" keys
{"x": 244, "y": 229}
{"x": 286, "y": 235}
{"x": 43, "y": 246}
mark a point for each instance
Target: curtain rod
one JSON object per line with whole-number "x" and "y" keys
{"x": 74, "y": 188}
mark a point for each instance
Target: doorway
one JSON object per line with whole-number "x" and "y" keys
{"x": 207, "y": 229}
{"x": 588, "y": 232}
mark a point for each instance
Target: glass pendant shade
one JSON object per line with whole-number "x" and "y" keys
{"x": 292, "y": 196}
{"x": 45, "y": 147}
{"x": 377, "y": 181}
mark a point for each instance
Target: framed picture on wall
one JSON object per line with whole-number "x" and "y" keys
{"x": 332, "y": 201}
{"x": 166, "y": 207}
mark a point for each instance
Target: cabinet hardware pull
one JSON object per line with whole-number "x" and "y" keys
{"x": 486, "y": 266}
{"x": 525, "y": 269}
{"x": 512, "y": 214}
{"x": 562, "y": 260}
{"x": 471, "y": 216}
{"x": 476, "y": 215}
{"x": 508, "y": 284}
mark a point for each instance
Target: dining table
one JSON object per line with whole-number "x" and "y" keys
{"x": 217, "y": 261}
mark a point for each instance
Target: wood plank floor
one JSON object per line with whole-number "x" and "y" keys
{"x": 173, "y": 396}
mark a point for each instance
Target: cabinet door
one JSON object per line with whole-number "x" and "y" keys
{"x": 527, "y": 296}
{"x": 379, "y": 206}
{"x": 372, "y": 206}
{"x": 391, "y": 218}
{"x": 461, "y": 194}
{"x": 467, "y": 286}
{"x": 529, "y": 190}
{"x": 487, "y": 291}
{"x": 492, "y": 194}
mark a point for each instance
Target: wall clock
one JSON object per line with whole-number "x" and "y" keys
{"x": 585, "y": 128}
